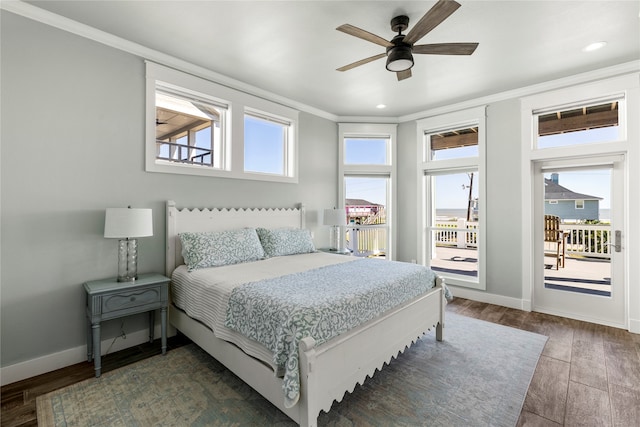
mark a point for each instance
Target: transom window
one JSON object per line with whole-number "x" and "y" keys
{"x": 579, "y": 125}
{"x": 452, "y": 144}
{"x": 366, "y": 151}
{"x": 195, "y": 126}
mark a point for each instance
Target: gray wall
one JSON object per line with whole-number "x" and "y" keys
{"x": 72, "y": 145}
{"x": 407, "y": 211}
{"x": 503, "y": 204}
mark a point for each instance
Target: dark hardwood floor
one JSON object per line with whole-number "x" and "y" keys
{"x": 588, "y": 375}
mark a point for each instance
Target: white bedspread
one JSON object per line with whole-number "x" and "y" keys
{"x": 204, "y": 294}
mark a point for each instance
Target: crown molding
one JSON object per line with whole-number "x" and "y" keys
{"x": 48, "y": 18}
{"x": 590, "y": 76}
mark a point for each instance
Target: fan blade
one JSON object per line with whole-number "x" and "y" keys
{"x": 445, "y": 48}
{"x": 362, "y": 62}
{"x": 403, "y": 74}
{"x": 365, "y": 35}
{"x": 431, "y": 19}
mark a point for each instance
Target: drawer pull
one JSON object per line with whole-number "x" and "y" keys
{"x": 132, "y": 299}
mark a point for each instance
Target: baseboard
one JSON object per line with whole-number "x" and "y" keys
{"x": 489, "y": 298}
{"x": 634, "y": 326}
{"x": 51, "y": 362}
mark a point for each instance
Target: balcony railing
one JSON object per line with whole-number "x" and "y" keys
{"x": 588, "y": 239}
{"x": 582, "y": 239}
{"x": 367, "y": 240}
{"x": 184, "y": 153}
{"x": 461, "y": 234}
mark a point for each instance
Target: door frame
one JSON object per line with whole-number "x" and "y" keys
{"x": 627, "y": 86}
{"x": 619, "y": 283}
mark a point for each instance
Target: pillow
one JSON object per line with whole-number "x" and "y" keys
{"x": 218, "y": 248}
{"x": 285, "y": 241}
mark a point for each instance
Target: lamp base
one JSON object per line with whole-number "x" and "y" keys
{"x": 335, "y": 240}
{"x": 127, "y": 260}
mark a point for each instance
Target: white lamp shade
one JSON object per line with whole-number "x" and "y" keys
{"x": 121, "y": 223}
{"x": 335, "y": 217}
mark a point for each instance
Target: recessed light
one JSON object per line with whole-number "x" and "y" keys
{"x": 381, "y": 106}
{"x": 594, "y": 46}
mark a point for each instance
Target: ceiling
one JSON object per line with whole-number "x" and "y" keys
{"x": 292, "y": 49}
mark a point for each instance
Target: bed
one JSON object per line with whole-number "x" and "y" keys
{"x": 317, "y": 371}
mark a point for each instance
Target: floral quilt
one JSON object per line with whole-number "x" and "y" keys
{"x": 321, "y": 303}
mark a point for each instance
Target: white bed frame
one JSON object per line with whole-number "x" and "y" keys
{"x": 327, "y": 371}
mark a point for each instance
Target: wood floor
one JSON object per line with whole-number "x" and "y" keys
{"x": 588, "y": 375}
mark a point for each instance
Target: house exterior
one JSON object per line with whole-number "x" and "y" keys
{"x": 360, "y": 211}
{"x": 569, "y": 205}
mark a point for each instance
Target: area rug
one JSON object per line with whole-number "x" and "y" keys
{"x": 478, "y": 376}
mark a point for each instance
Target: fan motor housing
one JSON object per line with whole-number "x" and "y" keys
{"x": 398, "y": 43}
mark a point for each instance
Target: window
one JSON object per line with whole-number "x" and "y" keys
{"x": 367, "y": 176}
{"x": 266, "y": 144}
{"x": 197, "y": 127}
{"x": 188, "y": 130}
{"x": 452, "y": 144}
{"x": 451, "y": 160}
{"x": 366, "y": 151}
{"x": 579, "y": 204}
{"x": 454, "y": 227}
{"x": 583, "y": 124}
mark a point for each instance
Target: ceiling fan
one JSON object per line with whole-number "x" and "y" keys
{"x": 401, "y": 48}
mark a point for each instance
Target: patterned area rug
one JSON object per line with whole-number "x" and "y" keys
{"x": 478, "y": 376}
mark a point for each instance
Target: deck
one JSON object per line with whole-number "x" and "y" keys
{"x": 580, "y": 274}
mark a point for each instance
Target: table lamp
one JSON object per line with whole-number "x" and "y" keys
{"x": 335, "y": 218}
{"x": 128, "y": 224}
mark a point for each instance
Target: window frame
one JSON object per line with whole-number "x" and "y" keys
{"x": 287, "y": 142}
{"x": 619, "y": 98}
{"x": 217, "y": 153}
{"x": 473, "y": 117}
{"x": 232, "y": 151}
{"x": 622, "y": 86}
{"x": 389, "y": 170}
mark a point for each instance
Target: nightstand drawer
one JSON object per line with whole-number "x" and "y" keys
{"x": 131, "y": 299}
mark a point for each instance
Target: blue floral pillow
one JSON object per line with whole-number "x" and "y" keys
{"x": 218, "y": 248}
{"x": 285, "y": 241}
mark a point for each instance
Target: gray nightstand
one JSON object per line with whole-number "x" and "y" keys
{"x": 110, "y": 299}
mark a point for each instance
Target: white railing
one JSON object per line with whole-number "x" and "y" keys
{"x": 460, "y": 233}
{"x": 367, "y": 240}
{"x": 588, "y": 239}
{"x": 581, "y": 239}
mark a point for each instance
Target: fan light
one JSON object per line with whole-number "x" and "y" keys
{"x": 399, "y": 58}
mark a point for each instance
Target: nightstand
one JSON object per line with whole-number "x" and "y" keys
{"x": 109, "y": 299}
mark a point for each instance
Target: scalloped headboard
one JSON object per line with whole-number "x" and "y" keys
{"x": 180, "y": 220}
